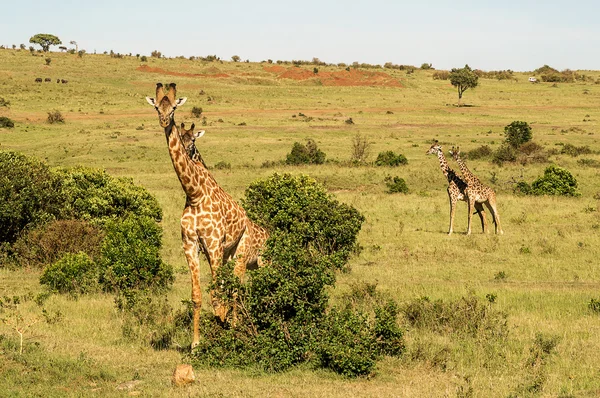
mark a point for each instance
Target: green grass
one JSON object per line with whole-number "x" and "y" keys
{"x": 548, "y": 253}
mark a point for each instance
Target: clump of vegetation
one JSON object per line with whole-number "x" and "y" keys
{"x": 594, "y": 305}
{"x": 441, "y": 75}
{"x": 284, "y": 317}
{"x": 556, "y": 181}
{"x": 6, "y": 122}
{"x": 55, "y": 117}
{"x": 4, "y": 102}
{"x": 196, "y": 111}
{"x": 536, "y": 364}
{"x": 483, "y": 151}
{"x": 396, "y": 184}
{"x": 589, "y": 162}
{"x": 517, "y": 133}
{"x": 389, "y": 158}
{"x": 74, "y": 274}
{"x": 574, "y": 151}
{"x": 222, "y": 165}
{"x": 305, "y": 154}
{"x": 360, "y": 149}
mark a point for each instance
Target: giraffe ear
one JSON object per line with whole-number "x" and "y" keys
{"x": 192, "y": 126}
{"x": 199, "y": 134}
{"x": 180, "y": 101}
{"x": 151, "y": 101}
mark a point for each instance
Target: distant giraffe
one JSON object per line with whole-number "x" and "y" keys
{"x": 212, "y": 222}
{"x": 457, "y": 188}
{"x": 477, "y": 193}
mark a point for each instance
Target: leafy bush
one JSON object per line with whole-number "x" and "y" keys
{"x": 48, "y": 243}
{"x": 389, "y": 158}
{"x": 6, "y": 122}
{"x": 441, "y": 75}
{"x": 570, "y": 149}
{"x": 94, "y": 194}
{"x": 73, "y": 273}
{"x": 130, "y": 256}
{"x": 556, "y": 181}
{"x": 29, "y": 194}
{"x": 594, "y": 305}
{"x": 483, "y": 151}
{"x": 300, "y": 206}
{"x": 55, "y": 117}
{"x": 396, "y": 184}
{"x": 505, "y": 153}
{"x": 517, "y": 133}
{"x": 196, "y": 111}
{"x": 305, "y": 154}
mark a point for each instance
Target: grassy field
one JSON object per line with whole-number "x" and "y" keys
{"x": 543, "y": 270}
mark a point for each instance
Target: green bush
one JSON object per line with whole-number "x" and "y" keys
{"x": 305, "y": 154}
{"x": 396, "y": 184}
{"x": 73, "y": 273}
{"x": 48, "y": 243}
{"x": 6, "y": 122}
{"x": 517, "y": 133}
{"x": 556, "y": 181}
{"x": 130, "y": 256}
{"x": 29, "y": 194}
{"x": 483, "y": 151}
{"x": 389, "y": 158}
{"x": 302, "y": 207}
{"x": 570, "y": 149}
{"x": 506, "y": 153}
{"x": 94, "y": 194}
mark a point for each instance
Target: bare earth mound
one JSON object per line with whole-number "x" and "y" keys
{"x": 353, "y": 77}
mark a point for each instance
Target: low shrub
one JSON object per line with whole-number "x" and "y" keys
{"x": 483, "y": 151}
{"x": 305, "y": 154}
{"x": 589, "y": 163}
{"x": 222, "y": 165}
{"x": 556, "y": 181}
{"x": 441, "y": 75}
{"x": 574, "y": 151}
{"x": 360, "y": 149}
{"x": 505, "y": 153}
{"x": 48, "y": 243}
{"x": 396, "y": 184}
{"x": 594, "y": 305}
{"x": 130, "y": 256}
{"x": 74, "y": 273}
{"x": 55, "y": 117}
{"x": 389, "y": 158}
{"x": 196, "y": 111}
{"x": 6, "y": 123}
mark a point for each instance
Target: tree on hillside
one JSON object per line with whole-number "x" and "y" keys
{"x": 73, "y": 42}
{"x": 463, "y": 79}
{"x": 45, "y": 40}
{"x": 236, "y": 58}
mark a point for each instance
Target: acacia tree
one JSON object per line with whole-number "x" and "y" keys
{"x": 463, "y": 79}
{"x": 45, "y": 40}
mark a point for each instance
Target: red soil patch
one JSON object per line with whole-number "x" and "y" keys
{"x": 353, "y": 77}
{"x": 147, "y": 69}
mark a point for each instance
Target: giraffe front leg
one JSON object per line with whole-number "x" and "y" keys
{"x": 481, "y": 212}
{"x": 470, "y": 216}
{"x": 452, "y": 210}
{"x": 190, "y": 247}
{"x": 214, "y": 249}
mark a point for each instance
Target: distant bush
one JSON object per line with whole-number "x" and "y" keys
{"x": 396, "y": 185}
{"x": 517, "y": 133}
{"x": 570, "y": 149}
{"x": 389, "y": 158}
{"x": 441, "y": 75}
{"x": 505, "y": 153}
{"x": 222, "y": 165}
{"x": 143, "y": 58}
{"x": 483, "y": 151}
{"x": 305, "y": 154}
{"x": 6, "y": 122}
{"x": 156, "y": 54}
{"x": 360, "y": 149}
{"x": 29, "y": 194}
{"x": 130, "y": 256}
{"x": 589, "y": 163}
{"x": 556, "y": 181}
{"x": 55, "y": 117}
{"x": 48, "y": 243}
{"x": 73, "y": 273}
{"x": 4, "y": 102}
{"x": 594, "y": 305}
{"x": 196, "y": 111}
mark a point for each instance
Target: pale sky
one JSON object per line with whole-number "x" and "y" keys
{"x": 489, "y": 35}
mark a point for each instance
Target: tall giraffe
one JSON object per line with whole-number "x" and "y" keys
{"x": 457, "y": 188}
{"x": 477, "y": 192}
{"x": 212, "y": 222}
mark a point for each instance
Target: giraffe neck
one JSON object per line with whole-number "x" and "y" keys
{"x": 192, "y": 175}
{"x": 443, "y": 163}
{"x": 465, "y": 170}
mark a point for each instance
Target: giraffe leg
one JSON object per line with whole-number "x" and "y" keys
{"x": 452, "y": 210}
{"x": 214, "y": 247}
{"x": 471, "y": 204}
{"x": 191, "y": 249}
{"x": 491, "y": 205}
{"x": 481, "y": 212}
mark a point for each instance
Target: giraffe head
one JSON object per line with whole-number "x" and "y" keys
{"x": 455, "y": 152}
{"x": 165, "y": 104}
{"x": 434, "y": 149}
{"x": 188, "y": 138}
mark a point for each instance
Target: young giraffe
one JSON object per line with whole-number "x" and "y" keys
{"x": 188, "y": 139}
{"x": 477, "y": 192}
{"x": 457, "y": 188}
{"x": 212, "y": 222}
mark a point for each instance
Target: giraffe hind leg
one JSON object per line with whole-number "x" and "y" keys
{"x": 481, "y": 213}
{"x": 491, "y": 205}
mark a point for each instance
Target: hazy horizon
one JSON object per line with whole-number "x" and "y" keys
{"x": 521, "y": 36}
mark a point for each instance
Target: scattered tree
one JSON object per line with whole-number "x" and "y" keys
{"x": 45, "y": 40}
{"x": 236, "y": 58}
{"x": 73, "y": 42}
{"x": 517, "y": 133}
{"x": 463, "y": 79}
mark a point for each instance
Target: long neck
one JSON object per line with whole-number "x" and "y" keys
{"x": 443, "y": 163}
{"x": 192, "y": 176}
{"x": 465, "y": 170}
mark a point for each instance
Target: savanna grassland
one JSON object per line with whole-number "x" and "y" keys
{"x": 542, "y": 272}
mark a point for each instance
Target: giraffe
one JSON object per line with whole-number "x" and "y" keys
{"x": 457, "y": 187}
{"x": 212, "y": 222}
{"x": 477, "y": 192}
{"x": 188, "y": 139}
